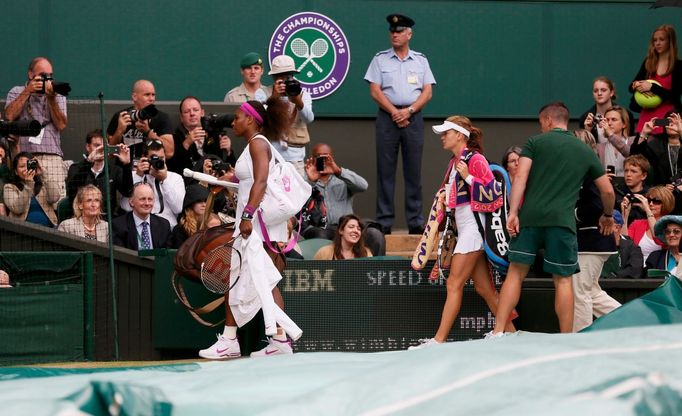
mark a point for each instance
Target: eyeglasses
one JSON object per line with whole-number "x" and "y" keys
{"x": 673, "y": 231}
{"x": 655, "y": 201}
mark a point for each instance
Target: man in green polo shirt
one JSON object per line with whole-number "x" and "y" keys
{"x": 551, "y": 171}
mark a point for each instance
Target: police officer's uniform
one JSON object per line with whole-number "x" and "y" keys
{"x": 401, "y": 81}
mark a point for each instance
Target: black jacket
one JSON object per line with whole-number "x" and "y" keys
{"x": 120, "y": 179}
{"x": 588, "y": 210}
{"x": 672, "y": 95}
{"x": 125, "y": 233}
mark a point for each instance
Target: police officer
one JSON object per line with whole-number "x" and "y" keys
{"x": 400, "y": 82}
{"x": 251, "y": 87}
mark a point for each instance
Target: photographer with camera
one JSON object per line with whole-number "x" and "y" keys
{"x": 169, "y": 187}
{"x": 25, "y": 195}
{"x": 286, "y": 87}
{"x": 199, "y": 135}
{"x": 41, "y": 99}
{"x": 635, "y": 172}
{"x": 604, "y": 95}
{"x": 662, "y": 150}
{"x": 90, "y": 170}
{"x": 251, "y": 87}
{"x": 135, "y": 125}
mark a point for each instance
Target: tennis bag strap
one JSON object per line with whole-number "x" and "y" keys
{"x": 196, "y": 313}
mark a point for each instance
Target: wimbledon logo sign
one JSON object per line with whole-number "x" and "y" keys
{"x": 319, "y": 48}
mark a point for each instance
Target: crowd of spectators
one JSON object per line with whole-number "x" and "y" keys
{"x": 153, "y": 205}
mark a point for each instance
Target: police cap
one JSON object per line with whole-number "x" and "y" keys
{"x": 398, "y": 22}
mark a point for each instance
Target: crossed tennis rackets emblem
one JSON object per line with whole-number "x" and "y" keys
{"x": 317, "y": 50}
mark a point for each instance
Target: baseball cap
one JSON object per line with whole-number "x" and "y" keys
{"x": 282, "y": 64}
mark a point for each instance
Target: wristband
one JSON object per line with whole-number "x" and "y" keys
{"x": 247, "y": 217}
{"x": 249, "y": 210}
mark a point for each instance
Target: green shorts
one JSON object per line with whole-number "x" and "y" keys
{"x": 560, "y": 244}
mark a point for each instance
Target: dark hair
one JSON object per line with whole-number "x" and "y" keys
{"x": 92, "y": 134}
{"x": 17, "y": 181}
{"x": 359, "y": 249}
{"x": 189, "y": 97}
{"x": 277, "y": 119}
{"x": 510, "y": 150}
{"x": 153, "y": 144}
{"x": 4, "y": 147}
{"x": 556, "y": 111}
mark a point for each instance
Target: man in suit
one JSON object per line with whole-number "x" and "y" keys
{"x": 140, "y": 229}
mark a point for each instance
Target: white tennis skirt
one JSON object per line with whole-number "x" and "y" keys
{"x": 469, "y": 239}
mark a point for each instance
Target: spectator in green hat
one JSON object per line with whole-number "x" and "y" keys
{"x": 251, "y": 87}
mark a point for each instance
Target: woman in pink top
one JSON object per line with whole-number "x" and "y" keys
{"x": 659, "y": 201}
{"x": 471, "y": 192}
{"x": 661, "y": 65}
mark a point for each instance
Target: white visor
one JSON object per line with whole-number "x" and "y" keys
{"x": 449, "y": 125}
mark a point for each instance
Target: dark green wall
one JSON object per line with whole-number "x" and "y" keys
{"x": 490, "y": 58}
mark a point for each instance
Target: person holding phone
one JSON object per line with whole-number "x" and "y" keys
{"x": 662, "y": 150}
{"x": 337, "y": 187}
{"x": 90, "y": 170}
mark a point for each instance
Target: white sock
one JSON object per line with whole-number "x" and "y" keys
{"x": 230, "y": 332}
{"x": 280, "y": 337}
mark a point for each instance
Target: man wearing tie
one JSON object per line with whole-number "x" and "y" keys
{"x": 140, "y": 229}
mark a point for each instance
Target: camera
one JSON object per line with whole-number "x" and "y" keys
{"x": 144, "y": 114}
{"x": 631, "y": 197}
{"x": 219, "y": 166}
{"x": 32, "y": 164}
{"x": 598, "y": 117}
{"x": 319, "y": 163}
{"x": 62, "y": 88}
{"x": 662, "y": 122}
{"x": 611, "y": 169}
{"x": 20, "y": 127}
{"x": 214, "y": 124}
{"x": 292, "y": 87}
{"x": 156, "y": 162}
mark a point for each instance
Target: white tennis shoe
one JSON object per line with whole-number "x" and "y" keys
{"x": 491, "y": 336}
{"x": 424, "y": 343}
{"x": 223, "y": 349}
{"x": 275, "y": 347}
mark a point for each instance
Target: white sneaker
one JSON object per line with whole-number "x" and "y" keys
{"x": 490, "y": 336}
{"x": 424, "y": 343}
{"x": 275, "y": 347}
{"x": 224, "y": 348}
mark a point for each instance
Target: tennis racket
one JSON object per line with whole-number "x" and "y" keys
{"x": 446, "y": 246}
{"x": 216, "y": 269}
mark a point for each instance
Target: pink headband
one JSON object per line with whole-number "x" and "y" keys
{"x": 248, "y": 109}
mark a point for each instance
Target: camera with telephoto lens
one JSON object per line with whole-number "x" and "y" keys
{"x": 20, "y": 127}
{"x": 214, "y": 124}
{"x": 61, "y": 88}
{"x": 32, "y": 164}
{"x": 156, "y": 162}
{"x": 144, "y": 114}
{"x": 292, "y": 87}
{"x": 219, "y": 166}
